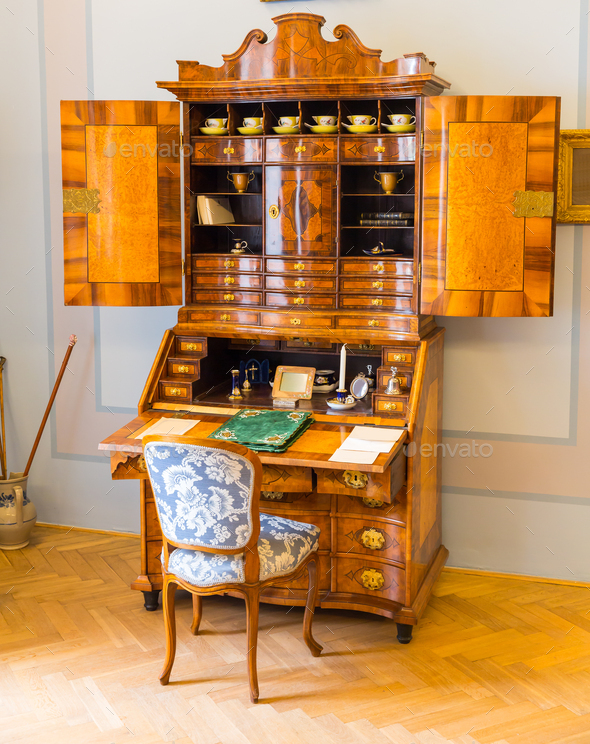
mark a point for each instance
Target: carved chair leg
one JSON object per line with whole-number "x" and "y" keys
{"x": 197, "y": 613}
{"x": 168, "y": 598}
{"x": 310, "y": 605}
{"x": 252, "y": 609}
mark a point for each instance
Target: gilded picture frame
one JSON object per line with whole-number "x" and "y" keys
{"x": 573, "y": 185}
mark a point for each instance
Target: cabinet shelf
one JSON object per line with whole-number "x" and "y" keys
{"x": 228, "y": 193}
{"x": 377, "y": 227}
{"x": 230, "y": 224}
{"x": 387, "y": 195}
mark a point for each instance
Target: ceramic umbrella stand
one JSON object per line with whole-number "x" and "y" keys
{"x": 17, "y": 514}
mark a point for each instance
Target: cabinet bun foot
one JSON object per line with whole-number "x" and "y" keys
{"x": 404, "y": 632}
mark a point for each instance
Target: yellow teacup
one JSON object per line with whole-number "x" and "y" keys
{"x": 288, "y": 121}
{"x": 253, "y": 121}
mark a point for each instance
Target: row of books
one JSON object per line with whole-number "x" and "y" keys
{"x": 214, "y": 211}
{"x": 387, "y": 219}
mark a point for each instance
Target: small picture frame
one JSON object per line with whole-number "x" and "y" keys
{"x": 359, "y": 387}
{"x": 293, "y": 383}
{"x": 573, "y": 187}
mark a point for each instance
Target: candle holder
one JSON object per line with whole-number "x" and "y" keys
{"x": 341, "y": 395}
{"x": 235, "y": 385}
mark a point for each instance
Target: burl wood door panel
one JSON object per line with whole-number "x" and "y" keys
{"x": 300, "y": 210}
{"x": 121, "y": 179}
{"x": 478, "y": 258}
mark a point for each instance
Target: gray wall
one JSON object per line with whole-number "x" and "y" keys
{"x": 525, "y": 509}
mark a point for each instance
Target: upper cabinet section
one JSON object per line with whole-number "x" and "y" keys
{"x": 299, "y": 63}
{"x": 488, "y": 229}
{"x": 121, "y": 202}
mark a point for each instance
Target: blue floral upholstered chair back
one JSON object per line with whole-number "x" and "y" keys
{"x": 206, "y": 492}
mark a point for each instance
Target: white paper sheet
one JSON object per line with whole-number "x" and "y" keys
{"x": 353, "y": 457}
{"x": 169, "y": 427}
{"x": 376, "y": 434}
{"x": 366, "y": 445}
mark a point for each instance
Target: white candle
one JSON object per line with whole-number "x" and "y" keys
{"x": 342, "y": 383}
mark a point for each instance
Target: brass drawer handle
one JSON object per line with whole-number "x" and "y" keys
{"x": 298, "y": 301}
{"x": 399, "y": 357}
{"x": 372, "y": 503}
{"x": 378, "y": 267}
{"x": 390, "y": 406}
{"x": 229, "y": 297}
{"x": 377, "y": 285}
{"x": 300, "y": 148}
{"x": 300, "y": 283}
{"x": 372, "y": 578}
{"x": 182, "y": 369}
{"x": 295, "y": 321}
{"x": 377, "y": 302}
{"x": 373, "y": 323}
{"x": 379, "y": 148}
{"x": 229, "y": 264}
{"x": 299, "y": 266}
{"x": 191, "y": 347}
{"x": 273, "y": 211}
{"x": 373, "y": 539}
{"x": 229, "y": 280}
{"x": 175, "y": 391}
{"x": 228, "y": 150}
{"x": 225, "y": 317}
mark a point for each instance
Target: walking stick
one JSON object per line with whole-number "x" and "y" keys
{"x": 3, "y": 437}
{"x": 64, "y": 364}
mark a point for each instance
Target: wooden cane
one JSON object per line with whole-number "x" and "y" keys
{"x": 64, "y": 364}
{"x": 3, "y": 437}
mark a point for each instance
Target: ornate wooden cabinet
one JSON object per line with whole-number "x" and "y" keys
{"x": 471, "y": 233}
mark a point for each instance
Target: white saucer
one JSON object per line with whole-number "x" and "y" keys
{"x": 333, "y": 403}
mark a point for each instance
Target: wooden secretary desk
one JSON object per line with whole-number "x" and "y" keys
{"x": 478, "y": 179}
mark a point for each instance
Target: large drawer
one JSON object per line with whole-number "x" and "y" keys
{"x": 402, "y": 325}
{"x": 295, "y": 319}
{"x": 379, "y": 486}
{"x": 398, "y": 304}
{"x": 370, "y": 508}
{"x": 322, "y": 302}
{"x": 378, "y": 149}
{"x": 304, "y": 284}
{"x": 227, "y": 149}
{"x": 297, "y": 149}
{"x": 371, "y": 577}
{"x": 378, "y": 266}
{"x": 224, "y": 316}
{"x": 374, "y": 285}
{"x": 231, "y": 297}
{"x": 304, "y": 265}
{"x": 369, "y": 537}
{"x": 225, "y": 263}
{"x": 230, "y": 281}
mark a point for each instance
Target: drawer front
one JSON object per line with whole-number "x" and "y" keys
{"x": 381, "y": 284}
{"x": 365, "y": 537}
{"x": 367, "y": 349}
{"x": 399, "y": 304}
{"x": 378, "y": 266}
{"x": 304, "y": 343}
{"x": 390, "y": 405}
{"x": 304, "y": 284}
{"x": 373, "y": 578}
{"x": 402, "y": 325}
{"x": 187, "y": 346}
{"x": 219, "y": 263}
{"x": 293, "y": 320}
{"x": 183, "y": 367}
{"x": 370, "y": 508}
{"x": 354, "y": 483}
{"x": 261, "y": 343}
{"x": 227, "y": 150}
{"x": 176, "y": 391}
{"x": 378, "y": 149}
{"x": 303, "y": 265}
{"x": 384, "y": 375}
{"x": 392, "y": 355}
{"x": 301, "y": 149}
{"x": 228, "y": 296}
{"x": 281, "y": 478}
{"x": 229, "y": 316}
{"x": 323, "y": 302}
{"x": 246, "y": 281}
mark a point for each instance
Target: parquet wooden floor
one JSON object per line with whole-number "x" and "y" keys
{"x": 494, "y": 660}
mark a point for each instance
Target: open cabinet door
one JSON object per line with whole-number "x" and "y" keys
{"x": 488, "y": 234}
{"x": 121, "y": 202}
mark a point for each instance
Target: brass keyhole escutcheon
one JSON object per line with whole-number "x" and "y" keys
{"x": 372, "y": 503}
{"x": 295, "y": 321}
{"x": 273, "y": 211}
{"x": 372, "y": 579}
{"x": 355, "y": 479}
{"x": 373, "y": 539}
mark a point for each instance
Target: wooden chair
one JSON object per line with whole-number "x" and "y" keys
{"x": 207, "y": 497}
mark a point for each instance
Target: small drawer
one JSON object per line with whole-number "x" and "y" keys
{"x": 367, "y": 349}
{"x": 187, "y": 346}
{"x": 227, "y": 296}
{"x": 393, "y": 355}
{"x": 377, "y": 285}
{"x": 303, "y": 265}
{"x": 227, "y": 149}
{"x": 323, "y": 302}
{"x": 296, "y": 320}
{"x": 304, "y": 284}
{"x": 306, "y": 343}
{"x": 390, "y": 405}
{"x": 301, "y": 149}
{"x": 405, "y": 376}
{"x": 183, "y": 368}
{"x": 380, "y": 486}
{"x": 377, "y": 266}
{"x": 260, "y": 343}
{"x": 222, "y": 316}
{"x": 367, "y": 537}
{"x": 286, "y": 478}
{"x": 176, "y": 391}
{"x": 378, "y": 149}
{"x": 371, "y": 577}
{"x": 367, "y": 323}
{"x": 244, "y": 264}
{"x": 398, "y": 304}
{"x": 374, "y": 508}
{"x": 230, "y": 281}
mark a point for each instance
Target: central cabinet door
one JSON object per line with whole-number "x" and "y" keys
{"x": 300, "y": 209}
